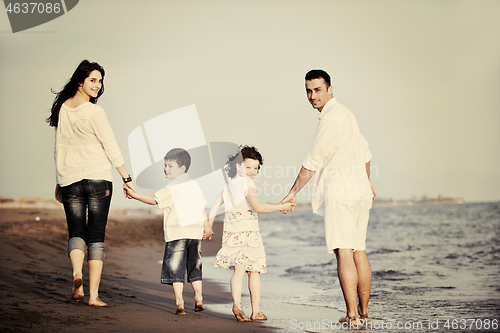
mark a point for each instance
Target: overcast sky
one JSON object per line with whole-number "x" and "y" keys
{"x": 421, "y": 77}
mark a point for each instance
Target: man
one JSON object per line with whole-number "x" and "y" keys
{"x": 342, "y": 191}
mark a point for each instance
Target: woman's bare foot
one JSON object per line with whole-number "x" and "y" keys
{"x": 97, "y": 302}
{"x": 258, "y": 316}
{"x": 180, "y": 310}
{"x": 239, "y": 314}
{"x": 77, "y": 291}
{"x": 198, "y": 304}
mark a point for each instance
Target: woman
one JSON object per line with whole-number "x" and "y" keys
{"x": 85, "y": 151}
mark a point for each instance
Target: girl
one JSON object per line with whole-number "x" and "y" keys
{"x": 85, "y": 149}
{"x": 242, "y": 246}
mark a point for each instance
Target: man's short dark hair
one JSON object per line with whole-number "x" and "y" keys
{"x": 319, "y": 74}
{"x": 180, "y": 156}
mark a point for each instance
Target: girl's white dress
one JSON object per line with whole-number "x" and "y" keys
{"x": 241, "y": 240}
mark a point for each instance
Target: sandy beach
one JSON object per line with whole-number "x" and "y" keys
{"x": 36, "y": 280}
{"x": 300, "y": 292}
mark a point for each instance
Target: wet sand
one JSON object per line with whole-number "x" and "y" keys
{"x": 36, "y": 280}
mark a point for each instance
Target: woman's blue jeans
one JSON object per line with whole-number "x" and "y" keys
{"x": 87, "y": 197}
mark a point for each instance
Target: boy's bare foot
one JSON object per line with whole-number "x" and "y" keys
{"x": 240, "y": 315}
{"x": 258, "y": 316}
{"x": 199, "y": 307}
{"x": 77, "y": 291}
{"x": 97, "y": 302}
{"x": 180, "y": 310}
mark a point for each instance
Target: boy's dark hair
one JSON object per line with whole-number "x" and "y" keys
{"x": 180, "y": 156}
{"x": 244, "y": 153}
{"x": 318, "y": 74}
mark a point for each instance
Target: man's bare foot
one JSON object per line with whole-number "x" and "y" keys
{"x": 97, "y": 302}
{"x": 355, "y": 320}
{"x": 363, "y": 316}
{"x": 77, "y": 291}
{"x": 239, "y": 314}
{"x": 258, "y": 316}
{"x": 199, "y": 307}
{"x": 180, "y": 310}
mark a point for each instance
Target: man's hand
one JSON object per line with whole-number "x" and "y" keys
{"x": 290, "y": 198}
{"x": 373, "y": 191}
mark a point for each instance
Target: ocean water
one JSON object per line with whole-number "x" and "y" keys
{"x": 431, "y": 264}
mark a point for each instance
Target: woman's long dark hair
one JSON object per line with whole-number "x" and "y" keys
{"x": 81, "y": 73}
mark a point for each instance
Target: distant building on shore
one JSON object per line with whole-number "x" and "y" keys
{"x": 423, "y": 201}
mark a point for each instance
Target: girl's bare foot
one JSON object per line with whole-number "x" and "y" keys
{"x": 258, "y": 316}
{"x": 239, "y": 314}
{"x": 77, "y": 291}
{"x": 97, "y": 302}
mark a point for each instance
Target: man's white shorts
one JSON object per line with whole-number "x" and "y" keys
{"x": 346, "y": 223}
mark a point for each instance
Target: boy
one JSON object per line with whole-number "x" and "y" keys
{"x": 183, "y": 222}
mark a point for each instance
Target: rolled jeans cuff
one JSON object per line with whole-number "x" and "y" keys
{"x": 75, "y": 243}
{"x": 96, "y": 251}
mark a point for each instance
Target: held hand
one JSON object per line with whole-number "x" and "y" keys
{"x": 129, "y": 193}
{"x": 288, "y": 207}
{"x": 128, "y": 186}
{"x": 58, "y": 195}
{"x": 290, "y": 198}
{"x": 207, "y": 234}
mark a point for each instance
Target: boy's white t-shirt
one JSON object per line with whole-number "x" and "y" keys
{"x": 183, "y": 207}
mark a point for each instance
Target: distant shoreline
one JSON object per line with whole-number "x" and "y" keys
{"x": 439, "y": 201}
{"x": 38, "y": 203}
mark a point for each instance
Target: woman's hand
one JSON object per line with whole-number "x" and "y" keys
{"x": 126, "y": 176}
{"x": 58, "y": 194}
{"x": 130, "y": 187}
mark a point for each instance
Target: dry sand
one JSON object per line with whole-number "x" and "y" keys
{"x": 36, "y": 280}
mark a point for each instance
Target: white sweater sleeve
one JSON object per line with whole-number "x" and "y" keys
{"x": 104, "y": 133}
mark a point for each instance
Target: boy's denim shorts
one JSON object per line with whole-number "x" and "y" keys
{"x": 182, "y": 256}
